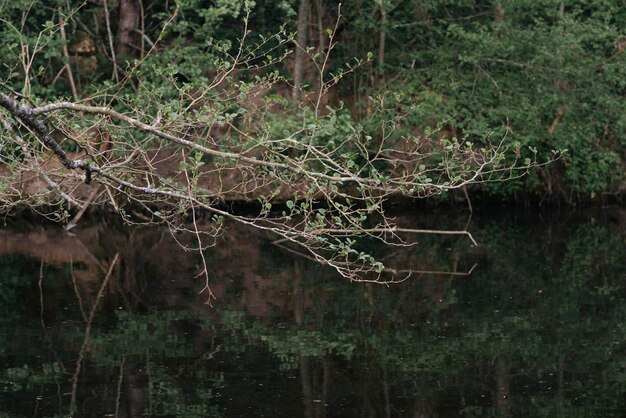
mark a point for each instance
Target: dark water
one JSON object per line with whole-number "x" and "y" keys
{"x": 110, "y": 322}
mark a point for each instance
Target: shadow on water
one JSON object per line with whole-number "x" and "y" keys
{"x": 110, "y": 323}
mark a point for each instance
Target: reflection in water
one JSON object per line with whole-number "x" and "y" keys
{"x": 110, "y": 323}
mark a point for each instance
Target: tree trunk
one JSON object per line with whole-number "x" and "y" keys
{"x": 322, "y": 39}
{"x": 499, "y": 13}
{"x": 127, "y": 27}
{"x": 301, "y": 40}
{"x": 381, "y": 41}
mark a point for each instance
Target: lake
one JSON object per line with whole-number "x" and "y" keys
{"x": 110, "y": 321}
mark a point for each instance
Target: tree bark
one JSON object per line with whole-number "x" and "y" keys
{"x": 499, "y": 13}
{"x": 382, "y": 35}
{"x": 301, "y": 41}
{"x": 127, "y": 27}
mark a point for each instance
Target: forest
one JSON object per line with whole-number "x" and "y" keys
{"x": 306, "y": 118}
{"x": 544, "y": 75}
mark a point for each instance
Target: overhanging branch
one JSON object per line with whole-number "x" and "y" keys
{"x": 27, "y": 117}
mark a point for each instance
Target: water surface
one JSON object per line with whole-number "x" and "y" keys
{"x": 110, "y": 322}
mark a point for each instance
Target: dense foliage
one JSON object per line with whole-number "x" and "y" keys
{"x": 544, "y": 74}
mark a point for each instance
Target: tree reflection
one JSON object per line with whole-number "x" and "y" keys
{"x": 537, "y": 330}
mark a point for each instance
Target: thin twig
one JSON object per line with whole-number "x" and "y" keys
{"x": 86, "y": 205}
{"x": 393, "y": 229}
{"x": 77, "y": 291}
{"x": 68, "y": 66}
{"x": 83, "y": 347}
{"x": 120, "y": 379}
{"x": 115, "y": 75}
